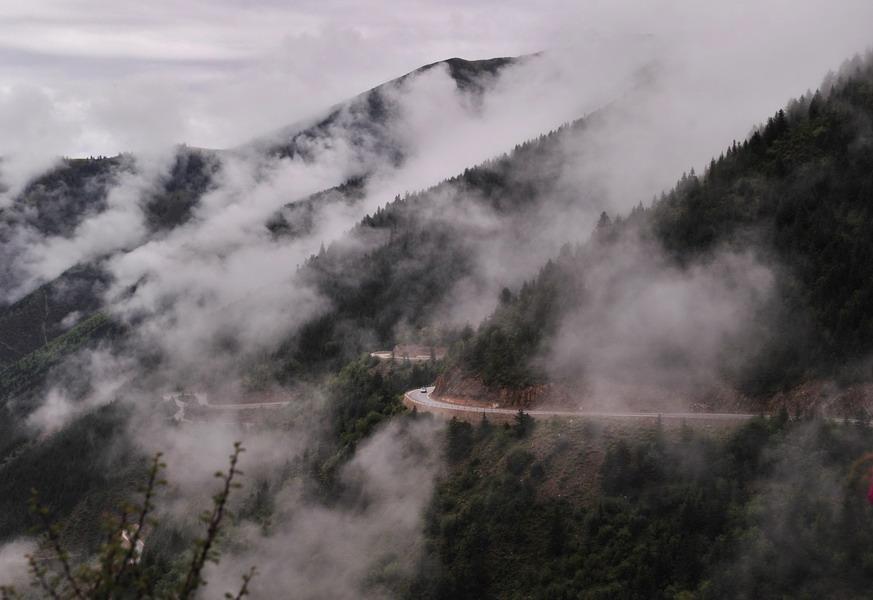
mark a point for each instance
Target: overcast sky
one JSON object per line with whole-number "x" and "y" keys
{"x": 101, "y": 76}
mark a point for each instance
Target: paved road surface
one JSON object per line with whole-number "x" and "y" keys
{"x": 424, "y": 401}
{"x": 263, "y": 405}
{"x": 201, "y": 402}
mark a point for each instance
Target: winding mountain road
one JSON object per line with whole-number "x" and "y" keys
{"x": 421, "y": 398}
{"x": 196, "y": 401}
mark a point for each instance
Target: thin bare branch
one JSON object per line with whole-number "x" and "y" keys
{"x": 146, "y": 508}
{"x": 244, "y": 590}
{"x": 213, "y": 520}
{"x": 54, "y": 538}
{"x": 39, "y": 575}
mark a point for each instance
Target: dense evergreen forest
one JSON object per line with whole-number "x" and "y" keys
{"x": 90, "y": 466}
{"x": 409, "y": 260}
{"x": 774, "y": 509}
{"x": 413, "y": 255}
{"x": 360, "y": 394}
{"x": 798, "y": 192}
{"x": 547, "y": 509}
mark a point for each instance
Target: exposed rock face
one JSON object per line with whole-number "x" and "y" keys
{"x": 825, "y": 398}
{"x": 814, "y": 397}
{"x": 459, "y": 386}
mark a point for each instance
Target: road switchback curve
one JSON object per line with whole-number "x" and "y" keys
{"x": 422, "y": 400}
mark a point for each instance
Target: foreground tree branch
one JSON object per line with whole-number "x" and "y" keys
{"x": 118, "y": 572}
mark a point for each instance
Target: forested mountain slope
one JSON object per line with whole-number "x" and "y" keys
{"x": 56, "y": 203}
{"x": 742, "y": 281}
{"x": 366, "y": 119}
{"x": 403, "y": 263}
{"x": 399, "y": 267}
{"x": 794, "y": 201}
{"x": 394, "y": 268}
{"x": 558, "y": 509}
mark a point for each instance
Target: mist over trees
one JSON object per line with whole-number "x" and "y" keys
{"x": 771, "y": 509}
{"x": 795, "y": 194}
{"x": 181, "y": 301}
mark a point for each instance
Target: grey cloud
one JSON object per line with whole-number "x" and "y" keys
{"x": 648, "y": 331}
{"x": 119, "y": 226}
{"x": 35, "y": 130}
{"x": 215, "y": 61}
{"x": 348, "y": 551}
{"x": 14, "y": 570}
{"x": 223, "y": 276}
